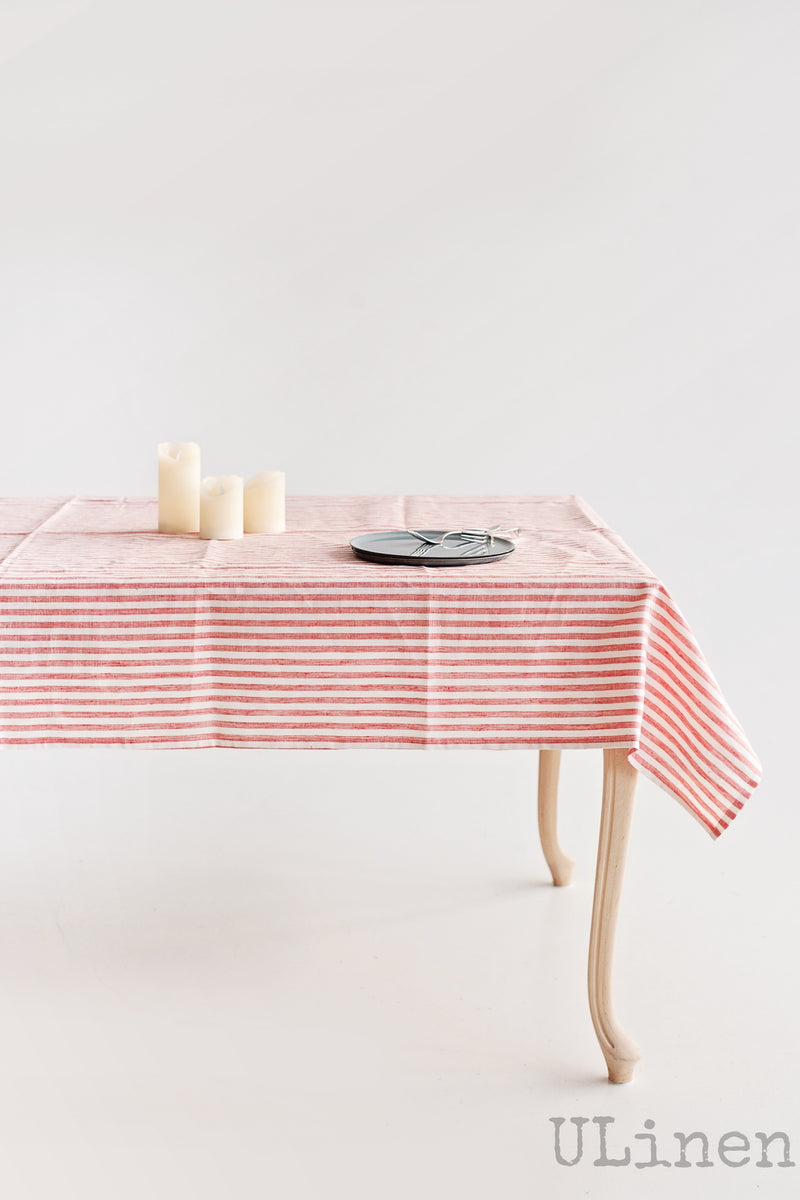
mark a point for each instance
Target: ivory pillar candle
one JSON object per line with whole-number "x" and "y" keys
{"x": 178, "y": 487}
{"x": 265, "y": 503}
{"x": 221, "y": 510}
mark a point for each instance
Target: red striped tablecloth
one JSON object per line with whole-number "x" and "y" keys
{"x": 111, "y": 633}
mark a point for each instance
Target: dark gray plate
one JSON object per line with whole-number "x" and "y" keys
{"x": 400, "y": 547}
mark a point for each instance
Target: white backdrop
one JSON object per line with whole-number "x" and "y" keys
{"x": 423, "y": 247}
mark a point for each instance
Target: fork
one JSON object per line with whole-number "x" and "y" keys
{"x": 474, "y": 551}
{"x": 466, "y": 535}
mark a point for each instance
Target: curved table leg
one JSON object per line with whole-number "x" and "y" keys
{"x": 619, "y": 786}
{"x": 560, "y": 864}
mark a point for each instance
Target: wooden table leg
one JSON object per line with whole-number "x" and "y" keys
{"x": 619, "y": 786}
{"x": 560, "y": 864}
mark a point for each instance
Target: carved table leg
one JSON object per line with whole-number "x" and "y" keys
{"x": 560, "y": 864}
{"x": 619, "y": 786}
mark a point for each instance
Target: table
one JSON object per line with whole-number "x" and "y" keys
{"x": 111, "y": 633}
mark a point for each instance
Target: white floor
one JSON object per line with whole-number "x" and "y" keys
{"x": 346, "y": 975}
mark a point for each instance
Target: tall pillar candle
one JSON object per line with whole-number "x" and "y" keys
{"x": 221, "y": 509}
{"x": 265, "y": 503}
{"x": 178, "y": 487}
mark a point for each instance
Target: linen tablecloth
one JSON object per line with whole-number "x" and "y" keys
{"x": 111, "y": 633}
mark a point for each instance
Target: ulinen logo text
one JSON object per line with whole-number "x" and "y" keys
{"x": 733, "y": 1149}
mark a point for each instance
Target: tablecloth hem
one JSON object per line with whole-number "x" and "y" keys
{"x": 714, "y": 831}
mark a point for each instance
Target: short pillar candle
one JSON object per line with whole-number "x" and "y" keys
{"x": 178, "y": 487}
{"x": 221, "y": 510}
{"x": 265, "y": 503}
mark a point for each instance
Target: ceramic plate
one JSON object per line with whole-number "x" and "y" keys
{"x": 400, "y": 546}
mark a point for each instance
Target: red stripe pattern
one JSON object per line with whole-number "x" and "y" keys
{"x": 111, "y": 633}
